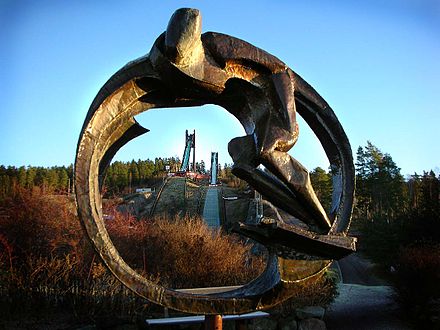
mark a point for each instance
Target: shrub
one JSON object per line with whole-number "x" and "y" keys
{"x": 417, "y": 282}
{"x": 46, "y": 262}
{"x": 33, "y": 222}
{"x": 382, "y": 239}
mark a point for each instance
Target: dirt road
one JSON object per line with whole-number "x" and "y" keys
{"x": 358, "y": 270}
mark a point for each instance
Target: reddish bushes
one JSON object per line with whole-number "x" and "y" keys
{"x": 36, "y": 223}
{"x": 44, "y": 256}
{"x": 45, "y": 260}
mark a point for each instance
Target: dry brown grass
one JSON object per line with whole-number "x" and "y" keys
{"x": 184, "y": 252}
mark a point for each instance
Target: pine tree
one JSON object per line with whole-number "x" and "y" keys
{"x": 380, "y": 186}
{"x": 22, "y": 176}
{"x": 322, "y": 184}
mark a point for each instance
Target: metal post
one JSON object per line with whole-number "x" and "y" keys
{"x": 194, "y": 151}
{"x": 213, "y": 322}
{"x": 225, "y": 216}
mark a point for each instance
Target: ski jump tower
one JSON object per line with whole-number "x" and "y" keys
{"x": 214, "y": 168}
{"x": 190, "y": 143}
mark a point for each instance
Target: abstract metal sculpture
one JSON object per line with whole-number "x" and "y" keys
{"x": 187, "y": 68}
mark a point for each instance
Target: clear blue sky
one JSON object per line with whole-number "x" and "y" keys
{"x": 375, "y": 62}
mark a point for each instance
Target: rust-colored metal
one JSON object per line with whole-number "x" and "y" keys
{"x": 186, "y": 68}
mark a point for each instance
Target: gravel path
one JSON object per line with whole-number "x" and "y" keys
{"x": 364, "y": 301}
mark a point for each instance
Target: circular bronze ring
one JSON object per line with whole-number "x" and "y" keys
{"x": 110, "y": 124}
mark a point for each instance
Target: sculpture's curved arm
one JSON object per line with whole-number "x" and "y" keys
{"x": 324, "y": 123}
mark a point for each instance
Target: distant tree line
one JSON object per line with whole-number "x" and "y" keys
{"x": 121, "y": 175}
{"x": 381, "y": 190}
{"x": 382, "y": 193}
{"x": 58, "y": 179}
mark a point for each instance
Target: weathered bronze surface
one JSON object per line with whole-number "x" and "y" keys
{"x": 186, "y": 68}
